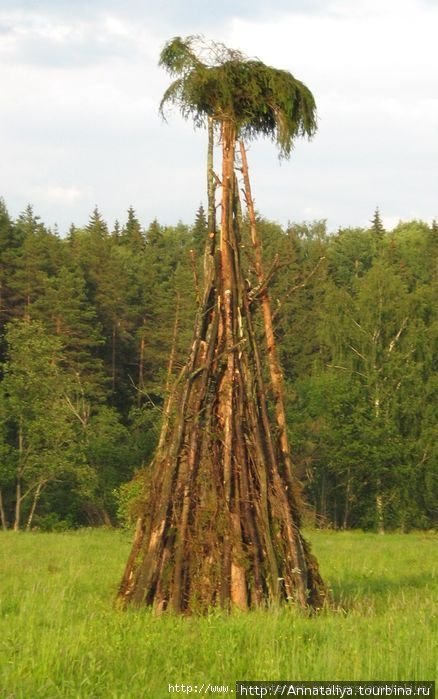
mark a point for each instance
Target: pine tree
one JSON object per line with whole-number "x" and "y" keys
{"x": 10, "y": 242}
{"x": 377, "y": 225}
{"x": 96, "y": 227}
{"x": 116, "y": 233}
{"x": 66, "y": 311}
{"x": 154, "y": 233}
{"x": 132, "y": 233}
{"x": 38, "y": 257}
{"x": 199, "y": 231}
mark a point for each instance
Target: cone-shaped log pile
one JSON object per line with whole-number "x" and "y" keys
{"x": 220, "y": 522}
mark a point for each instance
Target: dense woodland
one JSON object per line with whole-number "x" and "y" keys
{"x": 95, "y": 326}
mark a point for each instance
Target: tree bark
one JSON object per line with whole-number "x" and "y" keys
{"x": 276, "y": 375}
{"x": 17, "y": 505}
{"x": 18, "y": 497}
{"x": 34, "y": 504}
{"x": 347, "y": 500}
{"x": 219, "y": 523}
{"x": 211, "y": 188}
{"x": 380, "y": 516}
{"x": 2, "y": 513}
{"x": 141, "y": 364}
{"x": 113, "y": 357}
{"x": 274, "y": 364}
{"x": 380, "y": 509}
{"x": 168, "y": 388}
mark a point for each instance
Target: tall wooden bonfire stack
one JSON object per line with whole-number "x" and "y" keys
{"x": 220, "y": 518}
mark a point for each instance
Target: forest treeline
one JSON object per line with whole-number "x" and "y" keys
{"x": 95, "y": 327}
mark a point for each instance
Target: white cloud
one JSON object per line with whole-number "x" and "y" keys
{"x": 372, "y": 67}
{"x": 60, "y": 194}
{"x": 83, "y": 90}
{"x": 390, "y": 222}
{"x": 115, "y": 26}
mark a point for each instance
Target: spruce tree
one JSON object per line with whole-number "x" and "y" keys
{"x": 10, "y": 242}
{"x": 199, "y": 231}
{"x": 377, "y": 225}
{"x": 132, "y": 233}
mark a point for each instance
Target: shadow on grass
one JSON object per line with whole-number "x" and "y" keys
{"x": 347, "y": 593}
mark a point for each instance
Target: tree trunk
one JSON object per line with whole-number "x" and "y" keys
{"x": 220, "y": 518}
{"x": 141, "y": 365}
{"x": 379, "y": 497}
{"x": 276, "y": 375}
{"x": 347, "y": 500}
{"x": 17, "y": 505}
{"x": 274, "y": 365}
{"x": 211, "y": 188}
{"x": 34, "y": 504}
{"x": 2, "y": 513}
{"x": 380, "y": 509}
{"x": 168, "y": 389}
{"x": 18, "y": 497}
{"x": 113, "y": 358}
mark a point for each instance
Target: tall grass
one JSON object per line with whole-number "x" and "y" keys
{"x": 61, "y": 637}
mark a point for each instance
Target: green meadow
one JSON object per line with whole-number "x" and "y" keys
{"x": 60, "y": 635}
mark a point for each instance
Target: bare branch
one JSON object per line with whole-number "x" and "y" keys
{"x": 345, "y": 368}
{"x": 260, "y": 289}
{"x": 83, "y": 420}
{"x": 359, "y": 354}
{"x": 397, "y": 336}
{"x": 358, "y": 325}
{"x": 302, "y": 285}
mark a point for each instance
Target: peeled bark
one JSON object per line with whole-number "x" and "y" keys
{"x": 219, "y": 521}
{"x": 277, "y": 387}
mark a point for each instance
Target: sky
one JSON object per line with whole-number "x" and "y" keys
{"x": 81, "y": 87}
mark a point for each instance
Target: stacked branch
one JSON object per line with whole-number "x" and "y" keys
{"x": 220, "y": 522}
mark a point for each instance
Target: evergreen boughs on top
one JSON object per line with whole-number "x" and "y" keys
{"x": 226, "y": 85}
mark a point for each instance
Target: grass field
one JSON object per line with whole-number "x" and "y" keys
{"x": 61, "y": 637}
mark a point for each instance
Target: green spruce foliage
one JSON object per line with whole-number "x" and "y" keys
{"x": 258, "y": 99}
